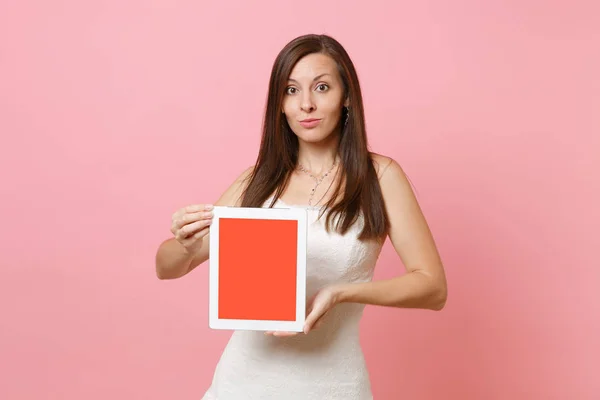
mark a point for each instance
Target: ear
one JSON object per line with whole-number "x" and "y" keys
{"x": 347, "y": 102}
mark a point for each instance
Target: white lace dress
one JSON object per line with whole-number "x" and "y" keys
{"x": 326, "y": 364}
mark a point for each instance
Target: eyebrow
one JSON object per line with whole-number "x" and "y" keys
{"x": 316, "y": 78}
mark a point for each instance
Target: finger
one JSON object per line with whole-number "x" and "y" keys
{"x": 189, "y": 231}
{"x": 188, "y": 219}
{"x": 201, "y": 233}
{"x": 311, "y": 320}
{"x": 285, "y": 334}
{"x": 198, "y": 235}
{"x": 182, "y": 211}
{"x": 193, "y": 228}
{"x": 198, "y": 207}
{"x": 280, "y": 333}
{"x": 310, "y": 303}
{"x": 191, "y": 209}
{"x": 192, "y": 217}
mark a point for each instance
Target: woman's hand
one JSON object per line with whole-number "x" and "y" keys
{"x": 321, "y": 303}
{"x": 190, "y": 224}
{"x": 324, "y": 300}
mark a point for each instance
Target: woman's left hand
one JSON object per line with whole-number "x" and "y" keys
{"x": 321, "y": 303}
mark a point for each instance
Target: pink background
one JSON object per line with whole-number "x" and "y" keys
{"x": 114, "y": 114}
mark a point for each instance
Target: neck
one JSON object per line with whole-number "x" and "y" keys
{"x": 318, "y": 157}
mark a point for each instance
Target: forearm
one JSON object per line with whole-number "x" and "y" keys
{"x": 173, "y": 261}
{"x": 412, "y": 290}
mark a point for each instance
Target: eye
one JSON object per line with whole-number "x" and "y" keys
{"x": 322, "y": 87}
{"x": 290, "y": 90}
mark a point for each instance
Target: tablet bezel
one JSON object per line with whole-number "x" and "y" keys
{"x": 297, "y": 214}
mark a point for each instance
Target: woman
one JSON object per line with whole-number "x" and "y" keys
{"x": 314, "y": 154}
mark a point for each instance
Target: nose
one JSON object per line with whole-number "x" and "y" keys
{"x": 308, "y": 104}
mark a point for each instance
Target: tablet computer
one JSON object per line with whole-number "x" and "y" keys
{"x": 257, "y": 269}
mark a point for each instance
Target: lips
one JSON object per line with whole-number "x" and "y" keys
{"x": 310, "y": 122}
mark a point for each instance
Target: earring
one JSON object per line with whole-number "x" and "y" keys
{"x": 347, "y": 116}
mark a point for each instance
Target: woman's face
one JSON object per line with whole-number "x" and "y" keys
{"x": 313, "y": 99}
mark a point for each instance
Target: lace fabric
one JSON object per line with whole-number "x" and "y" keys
{"x": 326, "y": 364}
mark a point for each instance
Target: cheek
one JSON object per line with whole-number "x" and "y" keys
{"x": 288, "y": 107}
{"x": 332, "y": 106}
{"x": 334, "y": 112}
{"x": 289, "y": 103}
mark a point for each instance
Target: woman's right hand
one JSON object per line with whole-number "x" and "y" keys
{"x": 190, "y": 224}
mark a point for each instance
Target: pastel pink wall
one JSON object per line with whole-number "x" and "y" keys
{"x": 113, "y": 114}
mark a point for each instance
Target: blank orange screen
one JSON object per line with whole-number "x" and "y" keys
{"x": 257, "y": 269}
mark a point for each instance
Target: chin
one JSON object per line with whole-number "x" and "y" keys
{"x": 313, "y": 135}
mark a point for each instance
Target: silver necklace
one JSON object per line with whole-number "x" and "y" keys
{"x": 317, "y": 179}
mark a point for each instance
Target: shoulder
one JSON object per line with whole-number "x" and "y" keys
{"x": 245, "y": 175}
{"x": 392, "y": 179}
{"x": 234, "y": 192}
{"x": 242, "y": 179}
{"x": 385, "y": 166}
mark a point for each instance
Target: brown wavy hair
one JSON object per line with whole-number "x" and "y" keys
{"x": 278, "y": 153}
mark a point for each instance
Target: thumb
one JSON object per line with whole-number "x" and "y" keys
{"x": 312, "y": 318}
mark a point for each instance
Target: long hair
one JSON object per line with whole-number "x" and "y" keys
{"x": 278, "y": 153}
